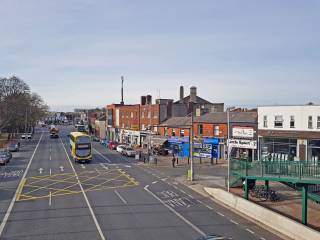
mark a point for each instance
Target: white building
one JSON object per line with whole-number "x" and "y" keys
{"x": 290, "y": 132}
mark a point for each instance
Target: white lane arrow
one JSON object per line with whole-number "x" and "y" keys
{"x": 40, "y": 170}
{"x": 61, "y": 168}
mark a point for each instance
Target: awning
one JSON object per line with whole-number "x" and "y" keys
{"x": 155, "y": 141}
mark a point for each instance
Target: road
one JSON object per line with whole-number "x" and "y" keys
{"x": 45, "y": 195}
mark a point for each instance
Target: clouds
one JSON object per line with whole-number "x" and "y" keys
{"x": 235, "y": 52}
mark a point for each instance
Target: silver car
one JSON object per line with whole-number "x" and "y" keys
{"x": 129, "y": 152}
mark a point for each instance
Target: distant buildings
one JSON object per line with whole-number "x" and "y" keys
{"x": 133, "y": 123}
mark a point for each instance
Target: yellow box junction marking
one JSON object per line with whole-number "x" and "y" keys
{"x": 39, "y": 187}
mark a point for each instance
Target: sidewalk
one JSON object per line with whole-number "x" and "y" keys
{"x": 207, "y": 175}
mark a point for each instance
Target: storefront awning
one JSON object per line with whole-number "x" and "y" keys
{"x": 155, "y": 141}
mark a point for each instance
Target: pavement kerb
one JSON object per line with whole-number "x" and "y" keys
{"x": 283, "y": 226}
{"x": 206, "y": 195}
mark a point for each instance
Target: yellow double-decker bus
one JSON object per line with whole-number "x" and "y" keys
{"x": 80, "y": 146}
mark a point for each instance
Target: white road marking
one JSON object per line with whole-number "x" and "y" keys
{"x": 164, "y": 179}
{"x": 209, "y": 207}
{"x": 40, "y": 170}
{"x": 199, "y": 201}
{"x": 190, "y": 196}
{"x": 61, "y": 168}
{"x": 50, "y": 158}
{"x": 262, "y": 238}
{"x": 85, "y": 196}
{"x": 175, "y": 212}
{"x": 183, "y": 191}
{"x": 104, "y": 157}
{"x": 50, "y": 171}
{"x": 154, "y": 182}
{"x": 219, "y": 213}
{"x": 121, "y": 198}
{"x": 234, "y": 222}
{"x": 82, "y": 166}
{"x": 250, "y": 231}
{"x": 104, "y": 166}
{"x": 50, "y": 201}
{"x": 6, "y": 216}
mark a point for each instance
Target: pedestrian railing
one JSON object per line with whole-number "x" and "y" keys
{"x": 281, "y": 169}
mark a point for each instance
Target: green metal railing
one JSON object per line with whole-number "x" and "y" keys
{"x": 280, "y": 169}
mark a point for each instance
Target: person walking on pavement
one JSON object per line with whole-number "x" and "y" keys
{"x": 173, "y": 159}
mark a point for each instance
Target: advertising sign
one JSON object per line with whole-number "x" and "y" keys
{"x": 242, "y": 143}
{"x": 242, "y": 132}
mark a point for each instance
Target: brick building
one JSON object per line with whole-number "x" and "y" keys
{"x": 211, "y": 125}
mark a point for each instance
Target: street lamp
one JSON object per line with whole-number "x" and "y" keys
{"x": 191, "y": 149}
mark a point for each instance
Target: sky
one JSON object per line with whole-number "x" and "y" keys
{"x": 243, "y": 53}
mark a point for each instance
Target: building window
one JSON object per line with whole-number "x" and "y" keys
{"x": 142, "y": 115}
{"x": 131, "y": 114}
{"x": 310, "y": 122}
{"x": 216, "y": 131}
{"x": 292, "y": 122}
{"x": 173, "y": 132}
{"x": 278, "y": 121}
{"x": 318, "y": 122}
{"x": 149, "y": 114}
{"x": 200, "y": 129}
{"x": 142, "y": 127}
{"x": 182, "y": 133}
{"x": 265, "y": 121}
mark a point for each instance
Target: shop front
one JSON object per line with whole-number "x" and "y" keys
{"x": 207, "y": 148}
{"x": 180, "y": 146}
{"x": 130, "y": 137}
{"x": 314, "y": 151}
{"x": 279, "y": 148}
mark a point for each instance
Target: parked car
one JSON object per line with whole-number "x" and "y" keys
{"x": 129, "y": 152}
{"x": 113, "y": 145}
{"x": 120, "y": 148}
{"x": 29, "y": 135}
{"x": 13, "y": 147}
{"x": 5, "y": 156}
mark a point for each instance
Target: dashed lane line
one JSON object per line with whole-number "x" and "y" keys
{"x": 121, "y": 198}
{"x": 219, "y": 213}
{"x": 6, "y": 216}
{"x": 234, "y": 222}
{"x": 100, "y": 154}
{"x": 249, "y": 230}
{"x": 209, "y": 207}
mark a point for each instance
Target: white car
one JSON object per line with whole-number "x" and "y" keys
{"x": 129, "y": 152}
{"x": 120, "y": 148}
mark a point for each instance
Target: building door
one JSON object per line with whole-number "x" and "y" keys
{"x": 302, "y": 152}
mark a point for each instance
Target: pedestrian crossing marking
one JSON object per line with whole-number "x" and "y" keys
{"x": 62, "y": 184}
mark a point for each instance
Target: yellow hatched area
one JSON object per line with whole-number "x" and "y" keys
{"x": 39, "y": 187}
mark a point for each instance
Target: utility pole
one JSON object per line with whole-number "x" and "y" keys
{"x": 228, "y": 146}
{"x": 191, "y": 149}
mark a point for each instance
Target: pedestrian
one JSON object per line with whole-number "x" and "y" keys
{"x": 173, "y": 161}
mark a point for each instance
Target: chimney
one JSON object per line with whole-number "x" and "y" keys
{"x": 181, "y": 94}
{"x": 149, "y": 99}
{"x": 193, "y": 94}
{"x": 122, "y": 80}
{"x": 143, "y": 100}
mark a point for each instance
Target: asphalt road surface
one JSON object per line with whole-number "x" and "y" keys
{"x": 45, "y": 195}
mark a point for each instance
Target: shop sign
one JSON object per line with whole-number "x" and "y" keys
{"x": 243, "y": 143}
{"x": 242, "y": 132}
